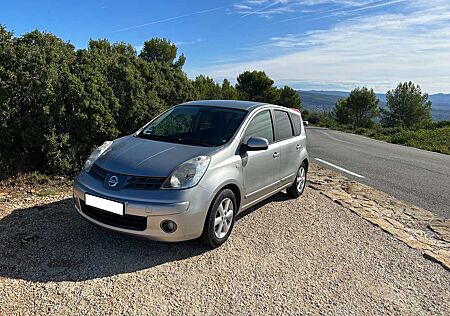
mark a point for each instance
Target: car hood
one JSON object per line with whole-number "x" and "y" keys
{"x": 142, "y": 157}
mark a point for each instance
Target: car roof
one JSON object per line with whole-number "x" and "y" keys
{"x": 232, "y": 104}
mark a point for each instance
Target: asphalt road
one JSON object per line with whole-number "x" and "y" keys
{"x": 413, "y": 175}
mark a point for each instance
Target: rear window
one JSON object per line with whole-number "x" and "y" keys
{"x": 297, "y": 123}
{"x": 284, "y": 125}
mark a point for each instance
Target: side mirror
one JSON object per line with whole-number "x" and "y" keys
{"x": 306, "y": 123}
{"x": 256, "y": 143}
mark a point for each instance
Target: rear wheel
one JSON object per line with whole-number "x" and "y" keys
{"x": 220, "y": 219}
{"x": 297, "y": 188}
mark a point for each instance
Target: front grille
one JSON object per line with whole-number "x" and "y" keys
{"x": 145, "y": 183}
{"x": 129, "y": 182}
{"x": 98, "y": 172}
{"x": 131, "y": 222}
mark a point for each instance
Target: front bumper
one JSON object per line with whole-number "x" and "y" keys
{"x": 187, "y": 208}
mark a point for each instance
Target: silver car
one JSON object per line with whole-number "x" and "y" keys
{"x": 191, "y": 170}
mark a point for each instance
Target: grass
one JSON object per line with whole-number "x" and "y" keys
{"x": 434, "y": 139}
{"x": 45, "y": 193}
{"x": 35, "y": 183}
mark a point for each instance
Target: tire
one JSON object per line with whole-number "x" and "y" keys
{"x": 219, "y": 224}
{"x": 297, "y": 188}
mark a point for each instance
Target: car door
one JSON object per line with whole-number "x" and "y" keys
{"x": 260, "y": 168}
{"x": 289, "y": 146}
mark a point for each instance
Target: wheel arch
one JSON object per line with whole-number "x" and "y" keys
{"x": 306, "y": 162}
{"x": 236, "y": 191}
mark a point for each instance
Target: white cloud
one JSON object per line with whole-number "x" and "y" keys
{"x": 270, "y": 8}
{"x": 378, "y": 51}
{"x": 190, "y": 42}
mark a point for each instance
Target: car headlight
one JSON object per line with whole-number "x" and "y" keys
{"x": 188, "y": 174}
{"x": 95, "y": 155}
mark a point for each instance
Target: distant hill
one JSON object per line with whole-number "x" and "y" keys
{"x": 318, "y": 101}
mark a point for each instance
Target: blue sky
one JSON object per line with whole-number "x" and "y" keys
{"x": 308, "y": 44}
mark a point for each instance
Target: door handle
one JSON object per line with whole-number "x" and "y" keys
{"x": 298, "y": 146}
{"x": 276, "y": 155}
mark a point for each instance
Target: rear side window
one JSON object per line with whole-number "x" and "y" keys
{"x": 260, "y": 126}
{"x": 284, "y": 125}
{"x": 297, "y": 124}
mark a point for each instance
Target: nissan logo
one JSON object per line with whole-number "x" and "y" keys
{"x": 113, "y": 181}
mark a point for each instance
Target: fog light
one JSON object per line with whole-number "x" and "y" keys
{"x": 168, "y": 226}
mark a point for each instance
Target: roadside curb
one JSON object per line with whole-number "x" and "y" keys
{"x": 415, "y": 226}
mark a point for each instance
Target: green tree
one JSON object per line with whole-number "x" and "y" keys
{"x": 289, "y": 98}
{"x": 363, "y": 106}
{"x": 38, "y": 110}
{"x": 359, "y": 109}
{"x": 207, "y": 88}
{"x": 170, "y": 83}
{"x": 228, "y": 91}
{"x": 341, "y": 112}
{"x": 163, "y": 51}
{"x": 180, "y": 62}
{"x": 7, "y": 105}
{"x": 408, "y": 106}
{"x": 124, "y": 73}
{"x": 255, "y": 86}
{"x": 58, "y": 103}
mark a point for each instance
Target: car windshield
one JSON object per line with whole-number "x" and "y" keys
{"x": 195, "y": 125}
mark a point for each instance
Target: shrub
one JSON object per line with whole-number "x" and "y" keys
{"x": 58, "y": 103}
{"x": 437, "y": 140}
{"x": 441, "y": 124}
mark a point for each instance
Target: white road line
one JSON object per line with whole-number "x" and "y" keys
{"x": 340, "y": 168}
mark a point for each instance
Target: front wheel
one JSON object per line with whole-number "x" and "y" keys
{"x": 297, "y": 188}
{"x": 220, "y": 219}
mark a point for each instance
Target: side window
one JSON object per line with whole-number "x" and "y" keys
{"x": 284, "y": 125}
{"x": 297, "y": 124}
{"x": 260, "y": 126}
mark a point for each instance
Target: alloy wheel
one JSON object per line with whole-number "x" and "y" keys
{"x": 301, "y": 179}
{"x": 224, "y": 218}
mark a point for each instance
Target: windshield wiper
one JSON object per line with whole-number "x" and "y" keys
{"x": 193, "y": 141}
{"x": 174, "y": 139}
{"x": 161, "y": 137}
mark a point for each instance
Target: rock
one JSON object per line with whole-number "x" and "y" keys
{"x": 419, "y": 213}
{"x": 442, "y": 228}
{"x": 441, "y": 256}
{"x": 408, "y": 223}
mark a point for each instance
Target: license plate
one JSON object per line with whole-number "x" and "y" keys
{"x": 104, "y": 204}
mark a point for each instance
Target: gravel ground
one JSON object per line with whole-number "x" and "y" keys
{"x": 307, "y": 256}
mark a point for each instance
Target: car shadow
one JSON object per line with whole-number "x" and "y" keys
{"x": 279, "y": 197}
{"x": 53, "y": 243}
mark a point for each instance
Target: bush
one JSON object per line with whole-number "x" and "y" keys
{"x": 323, "y": 119}
{"x": 58, "y": 103}
{"x": 441, "y": 124}
{"x": 437, "y": 140}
